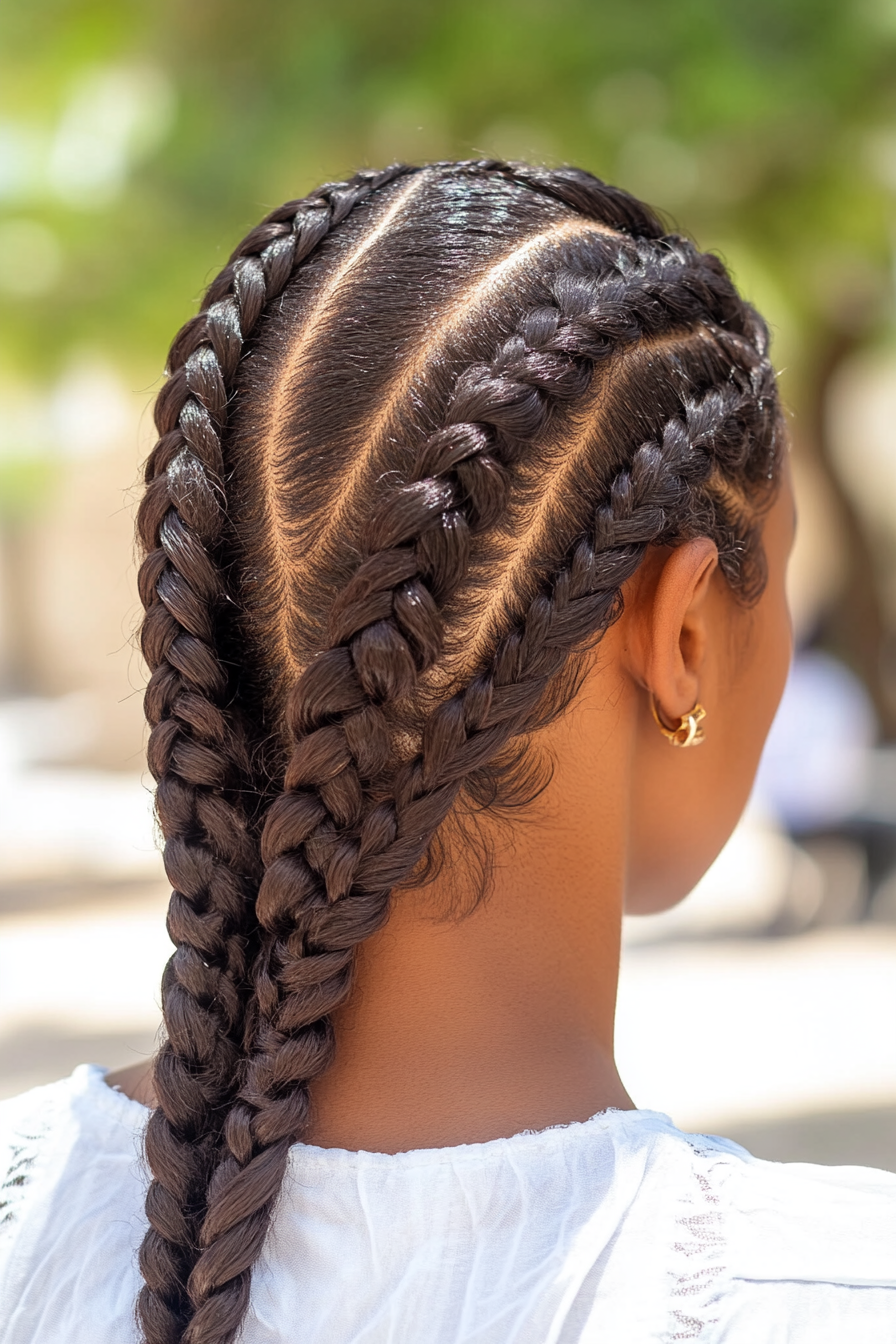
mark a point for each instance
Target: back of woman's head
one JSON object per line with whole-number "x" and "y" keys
{"x": 426, "y": 426}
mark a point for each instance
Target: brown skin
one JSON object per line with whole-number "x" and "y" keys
{"x": 465, "y": 1030}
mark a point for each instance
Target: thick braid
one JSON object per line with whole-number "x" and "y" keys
{"x": 195, "y": 749}
{"x": 192, "y": 753}
{"x": 209, "y": 860}
{"x": 385, "y": 631}
{"x": 581, "y": 602}
{"x": 583, "y": 599}
{"x": 195, "y": 757}
{"x": 351, "y": 825}
{"x": 333, "y": 853}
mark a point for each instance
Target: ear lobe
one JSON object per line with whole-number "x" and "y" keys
{"x": 675, "y": 629}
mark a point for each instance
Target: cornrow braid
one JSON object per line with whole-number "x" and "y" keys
{"x": 369, "y": 774}
{"x": 581, "y": 601}
{"x": 196, "y": 746}
{"x": 333, "y": 850}
{"x": 385, "y": 632}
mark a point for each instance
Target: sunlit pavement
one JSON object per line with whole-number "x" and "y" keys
{"x": 784, "y": 1043}
{"x": 79, "y": 979}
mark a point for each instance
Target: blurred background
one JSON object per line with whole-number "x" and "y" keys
{"x": 138, "y": 142}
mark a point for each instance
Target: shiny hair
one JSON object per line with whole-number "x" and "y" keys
{"x": 426, "y": 425}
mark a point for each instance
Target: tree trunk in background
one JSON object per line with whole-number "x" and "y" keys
{"x": 18, "y": 638}
{"x": 853, "y": 628}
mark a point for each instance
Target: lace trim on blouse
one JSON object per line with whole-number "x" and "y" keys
{"x": 23, "y": 1151}
{"x": 700, "y": 1247}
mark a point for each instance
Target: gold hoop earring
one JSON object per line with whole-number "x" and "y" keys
{"x": 688, "y": 732}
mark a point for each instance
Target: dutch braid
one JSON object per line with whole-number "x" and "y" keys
{"x": 581, "y": 601}
{"x": 333, "y": 851}
{"x": 355, "y": 818}
{"x": 195, "y": 749}
{"x": 385, "y": 631}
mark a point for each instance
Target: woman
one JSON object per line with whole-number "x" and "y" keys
{"x": 465, "y": 539}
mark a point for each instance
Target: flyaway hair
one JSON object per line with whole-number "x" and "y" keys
{"x": 426, "y": 425}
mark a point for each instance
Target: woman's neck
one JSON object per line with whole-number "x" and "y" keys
{"x": 463, "y": 1030}
{"x": 459, "y": 1031}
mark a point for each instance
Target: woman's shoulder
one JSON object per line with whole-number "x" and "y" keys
{"x": 74, "y": 1107}
{"x": 71, "y": 1174}
{"x": 802, "y": 1222}
{"x": 32, "y": 1126}
{"x": 790, "y": 1218}
{"x": 757, "y": 1250}
{"x": 39, "y": 1128}
{"x": 812, "y": 1246}
{"x": 80, "y": 1098}
{"x": 29, "y": 1124}
{"x": 58, "y": 1135}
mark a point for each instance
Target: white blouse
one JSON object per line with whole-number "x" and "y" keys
{"x": 619, "y": 1230}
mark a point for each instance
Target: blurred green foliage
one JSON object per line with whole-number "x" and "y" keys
{"x": 139, "y": 140}
{"x": 24, "y": 483}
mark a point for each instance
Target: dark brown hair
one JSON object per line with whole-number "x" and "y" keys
{"x": 425, "y": 426}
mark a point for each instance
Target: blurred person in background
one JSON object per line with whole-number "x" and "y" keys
{"x": 465, "y": 541}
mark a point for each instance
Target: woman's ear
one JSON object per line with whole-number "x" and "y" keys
{"x": 671, "y": 626}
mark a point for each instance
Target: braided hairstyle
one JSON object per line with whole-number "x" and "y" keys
{"x": 425, "y": 427}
